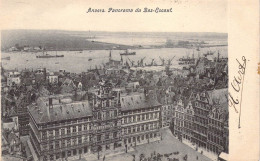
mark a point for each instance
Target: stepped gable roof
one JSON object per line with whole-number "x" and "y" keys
{"x": 185, "y": 103}
{"x": 42, "y": 113}
{"x": 137, "y": 101}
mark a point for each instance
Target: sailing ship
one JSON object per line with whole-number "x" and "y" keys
{"x": 128, "y": 52}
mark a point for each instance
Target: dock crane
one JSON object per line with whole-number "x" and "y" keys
{"x": 151, "y": 64}
{"x": 170, "y": 61}
{"x": 141, "y": 62}
{"x": 131, "y": 61}
{"x": 163, "y": 61}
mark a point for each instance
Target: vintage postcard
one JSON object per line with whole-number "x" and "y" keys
{"x": 150, "y": 80}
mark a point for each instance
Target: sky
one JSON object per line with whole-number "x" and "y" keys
{"x": 187, "y": 15}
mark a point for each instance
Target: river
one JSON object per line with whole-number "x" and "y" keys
{"x": 74, "y": 61}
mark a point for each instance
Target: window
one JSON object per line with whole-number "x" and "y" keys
{"x": 74, "y": 129}
{"x": 85, "y": 138}
{"x": 138, "y": 117}
{"x": 51, "y": 157}
{"x": 51, "y": 133}
{"x": 138, "y": 128}
{"x": 63, "y": 154}
{"x": 80, "y": 128}
{"x": 85, "y": 126}
{"x": 99, "y": 138}
{"x": 74, "y": 152}
{"x": 68, "y": 130}
{"x": 57, "y": 156}
{"x": 51, "y": 146}
{"x": 80, "y": 140}
{"x": 68, "y": 142}
{"x": 74, "y": 140}
{"x": 44, "y": 134}
{"x": 57, "y": 132}
{"x": 85, "y": 149}
{"x": 63, "y": 143}
{"x": 107, "y": 136}
{"x": 107, "y": 147}
{"x": 134, "y": 118}
{"x": 57, "y": 144}
{"x": 62, "y": 131}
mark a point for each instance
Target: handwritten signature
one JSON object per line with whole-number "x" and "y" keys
{"x": 237, "y": 88}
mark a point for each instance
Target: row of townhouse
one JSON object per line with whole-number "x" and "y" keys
{"x": 202, "y": 120}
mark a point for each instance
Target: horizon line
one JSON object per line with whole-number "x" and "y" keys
{"x": 120, "y": 31}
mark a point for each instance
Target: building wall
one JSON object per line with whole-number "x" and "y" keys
{"x": 13, "y": 80}
{"x": 195, "y": 123}
{"x": 188, "y": 123}
{"x": 53, "y": 79}
{"x": 216, "y": 132}
{"x": 167, "y": 114}
{"x": 107, "y": 129}
{"x": 140, "y": 126}
{"x": 179, "y": 119}
{"x": 62, "y": 140}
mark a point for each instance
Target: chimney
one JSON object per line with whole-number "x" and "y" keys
{"x": 44, "y": 73}
{"x": 218, "y": 55}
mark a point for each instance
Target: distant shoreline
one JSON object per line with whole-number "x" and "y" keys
{"x": 120, "y": 47}
{"x": 37, "y": 40}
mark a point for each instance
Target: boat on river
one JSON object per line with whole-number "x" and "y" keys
{"x": 128, "y": 52}
{"x": 45, "y": 55}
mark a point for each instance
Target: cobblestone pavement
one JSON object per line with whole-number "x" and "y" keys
{"x": 169, "y": 144}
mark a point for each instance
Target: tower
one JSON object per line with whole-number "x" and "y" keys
{"x": 110, "y": 55}
{"x": 106, "y": 118}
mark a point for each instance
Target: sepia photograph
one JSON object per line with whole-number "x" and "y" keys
{"x": 98, "y": 84}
